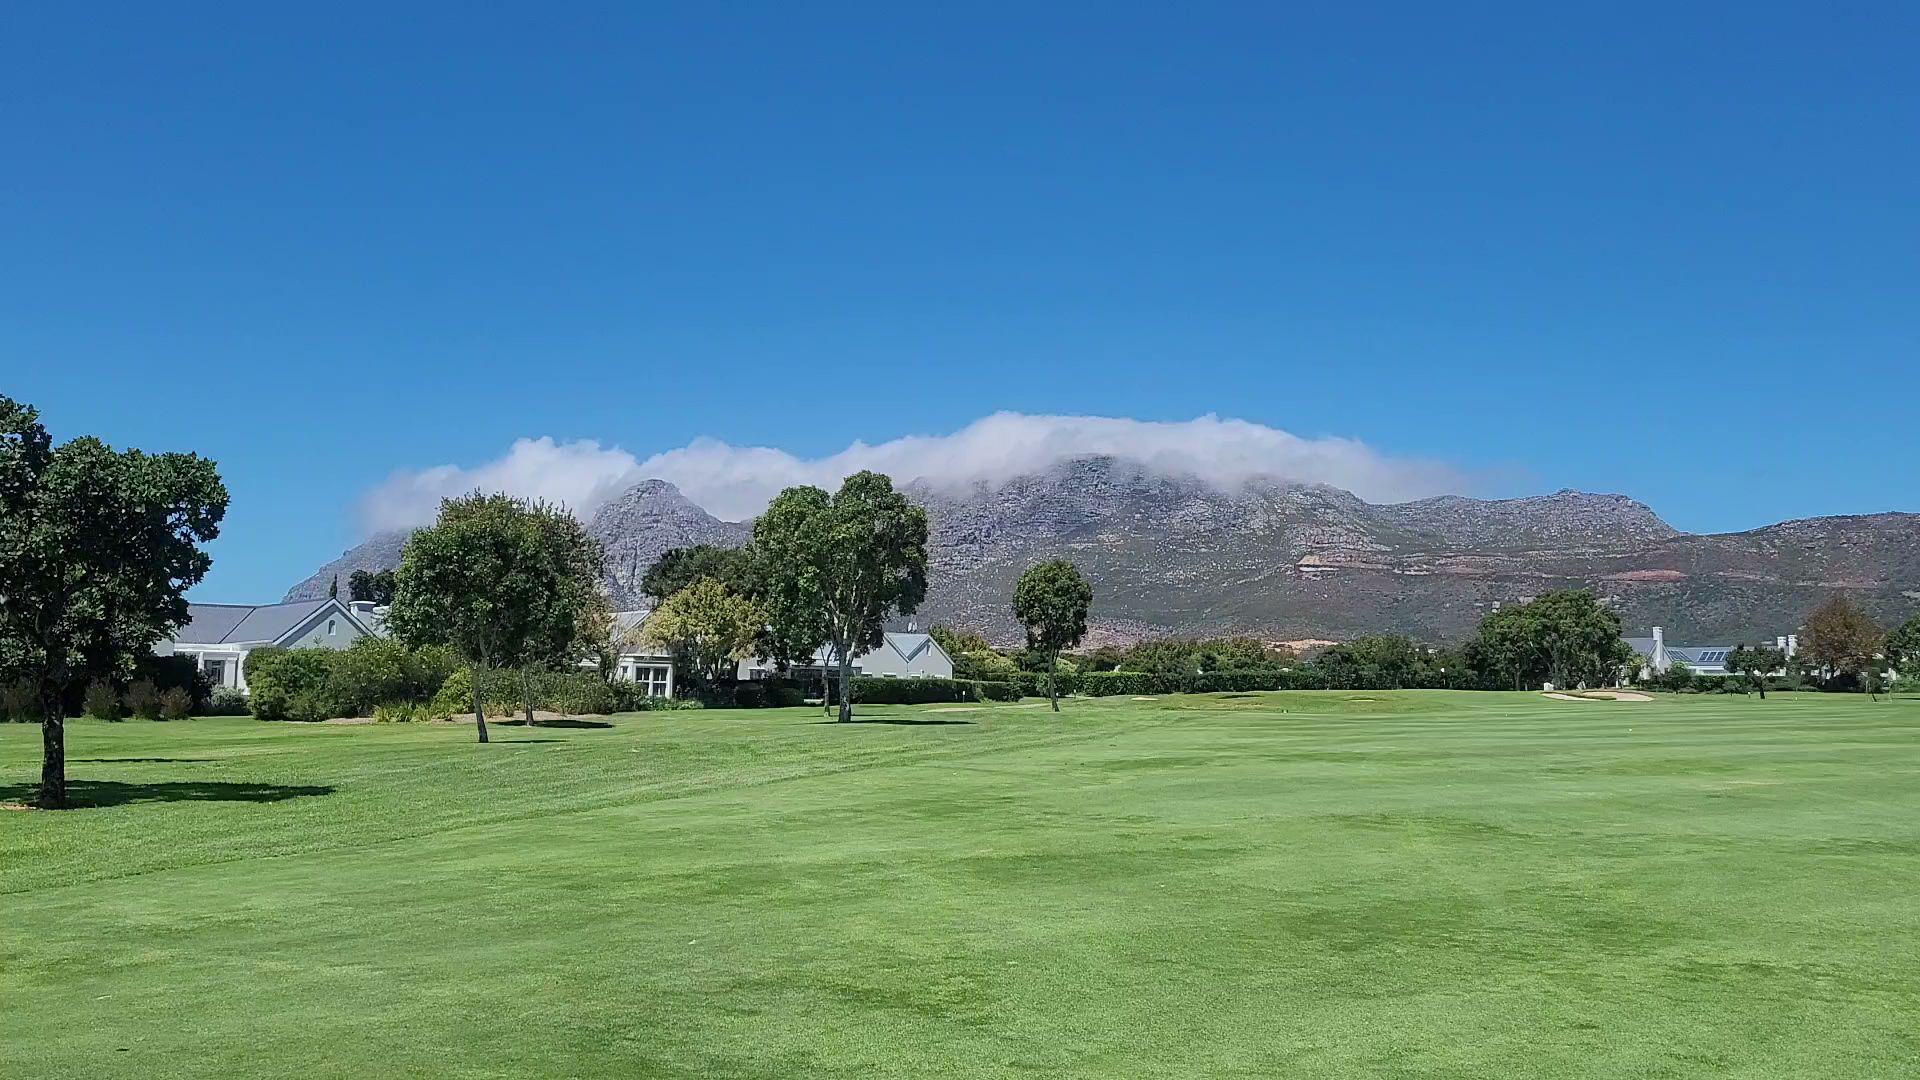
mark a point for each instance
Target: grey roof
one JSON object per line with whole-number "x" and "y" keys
{"x": 244, "y": 624}
{"x": 910, "y": 646}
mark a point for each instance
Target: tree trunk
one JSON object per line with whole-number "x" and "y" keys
{"x": 479, "y": 713}
{"x": 1053, "y": 680}
{"x": 846, "y": 689}
{"x": 826, "y": 690}
{"x": 526, "y": 694}
{"x": 53, "y": 742}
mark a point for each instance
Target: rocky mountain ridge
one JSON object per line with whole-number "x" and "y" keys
{"x": 1170, "y": 554}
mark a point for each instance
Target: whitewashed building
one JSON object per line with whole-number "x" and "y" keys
{"x": 219, "y": 636}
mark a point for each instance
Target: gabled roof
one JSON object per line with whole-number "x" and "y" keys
{"x": 910, "y": 646}
{"x": 249, "y": 624}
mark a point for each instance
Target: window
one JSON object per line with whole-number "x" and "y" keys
{"x": 215, "y": 669}
{"x": 653, "y": 677}
{"x": 329, "y": 627}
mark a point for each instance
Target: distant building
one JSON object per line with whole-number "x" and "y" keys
{"x": 219, "y": 636}
{"x": 1658, "y": 657}
{"x": 900, "y": 655}
{"x": 639, "y": 662}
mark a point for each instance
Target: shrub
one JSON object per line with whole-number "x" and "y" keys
{"x": 102, "y": 701}
{"x": 400, "y": 712}
{"x": 175, "y": 672}
{"x": 867, "y": 690}
{"x": 668, "y": 704}
{"x": 374, "y": 671}
{"x": 293, "y": 684}
{"x": 143, "y": 700}
{"x": 19, "y": 703}
{"x": 225, "y": 701}
{"x": 175, "y": 703}
{"x": 988, "y": 690}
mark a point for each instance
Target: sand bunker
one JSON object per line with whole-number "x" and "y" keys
{"x": 1601, "y": 695}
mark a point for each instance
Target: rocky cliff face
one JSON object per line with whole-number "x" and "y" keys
{"x": 1296, "y": 561}
{"x": 650, "y": 519}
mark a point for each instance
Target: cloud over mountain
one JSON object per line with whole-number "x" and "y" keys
{"x": 735, "y": 482}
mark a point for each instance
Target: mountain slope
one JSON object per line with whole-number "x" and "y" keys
{"x": 1293, "y": 561}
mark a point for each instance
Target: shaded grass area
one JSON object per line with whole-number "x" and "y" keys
{"x": 1379, "y": 884}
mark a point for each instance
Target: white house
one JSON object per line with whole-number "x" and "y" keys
{"x": 640, "y": 662}
{"x": 902, "y": 655}
{"x": 219, "y": 636}
{"x": 1657, "y": 656}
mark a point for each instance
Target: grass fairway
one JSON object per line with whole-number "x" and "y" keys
{"x": 1377, "y": 885}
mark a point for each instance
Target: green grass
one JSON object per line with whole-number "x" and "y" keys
{"x": 1378, "y": 885}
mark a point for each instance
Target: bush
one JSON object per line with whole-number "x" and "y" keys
{"x": 225, "y": 701}
{"x": 143, "y": 700}
{"x": 19, "y": 703}
{"x": 175, "y": 672}
{"x": 867, "y": 690}
{"x": 401, "y": 712}
{"x": 669, "y": 704}
{"x": 293, "y": 684}
{"x": 102, "y": 701}
{"x": 373, "y": 671}
{"x": 175, "y": 703}
{"x": 988, "y": 690}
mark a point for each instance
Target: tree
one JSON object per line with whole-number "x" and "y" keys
{"x": 1376, "y": 662}
{"x": 678, "y": 568}
{"x": 856, "y": 557}
{"x": 1565, "y": 637}
{"x": 708, "y": 626}
{"x": 333, "y": 588}
{"x": 1051, "y": 600}
{"x": 1842, "y": 639}
{"x": 1903, "y": 648}
{"x": 369, "y": 586}
{"x": 97, "y": 548}
{"x": 1757, "y": 663}
{"x": 501, "y": 581}
{"x": 568, "y": 612}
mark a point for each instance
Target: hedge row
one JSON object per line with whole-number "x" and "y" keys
{"x": 1113, "y": 683}
{"x": 872, "y": 691}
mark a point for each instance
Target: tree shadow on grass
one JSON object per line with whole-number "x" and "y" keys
{"x": 97, "y": 793}
{"x": 897, "y": 721}
{"x": 141, "y": 760}
{"x": 569, "y": 722}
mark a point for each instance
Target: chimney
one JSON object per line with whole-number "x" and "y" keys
{"x": 1659, "y": 657}
{"x": 1780, "y": 643}
{"x": 1793, "y": 645}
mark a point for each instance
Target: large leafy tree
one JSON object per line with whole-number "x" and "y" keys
{"x": 1565, "y": 637}
{"x": 97, "y": 548}
{"x": 1051, "y": 600}
{"x": 1378, "y": 662}
{"x": 368, "y": 585}
{"x": 569, "y": 613}
{"x": 1842, "y": 639}
{"x": 855, "y": 558}
{"x": 678, "y": 568}
{"x": 708, "y": 627}
{"x": 504, "y": 582}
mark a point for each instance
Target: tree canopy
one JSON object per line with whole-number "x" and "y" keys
{"x": 708, "y": 627}
{"x": 1565, "y": 637}
{"x": 1841, "y": 638}
{"x": 851, "y": 560}
{"x": 1903, "y": 648}
{"x": 1051, "y": 600}
{"x": 678, "y": 568}
{"x": 368, "y": 585}
{"x": 97, "y": 550}
{"x": 502, "y": 581}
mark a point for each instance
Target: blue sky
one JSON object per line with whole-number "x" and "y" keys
{"x": 1669, "y": 253}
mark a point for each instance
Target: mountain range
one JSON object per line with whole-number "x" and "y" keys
{"x": 1305, "y": 563}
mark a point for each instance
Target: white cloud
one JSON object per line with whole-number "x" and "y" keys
{"x": 736, "y": 482}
